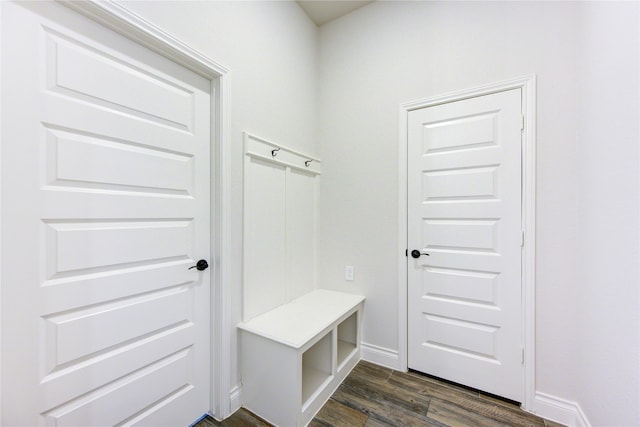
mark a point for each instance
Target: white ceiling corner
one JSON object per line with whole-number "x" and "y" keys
{"x": 323, "y": 11}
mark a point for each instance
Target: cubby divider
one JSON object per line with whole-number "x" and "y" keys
{"x": 347, "y": 341}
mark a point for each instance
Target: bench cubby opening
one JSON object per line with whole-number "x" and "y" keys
{"x": 316, "y": 368}
{"x": 347, "y": 341}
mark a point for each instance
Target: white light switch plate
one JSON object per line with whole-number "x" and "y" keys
{"x": 348, "y": 272}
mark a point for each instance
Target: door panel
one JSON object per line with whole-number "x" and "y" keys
{"x": 113, "y": 244}
{"x": 105, "y": 206}
{"x": 115, "y": 165}
{"x": 80, "y": 69}
{"x": 464, "y": 216}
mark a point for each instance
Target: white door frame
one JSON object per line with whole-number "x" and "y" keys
{"x": 528, "y": 86}
{"x": 130, "y": 25}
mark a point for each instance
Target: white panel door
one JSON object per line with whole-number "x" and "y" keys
{"x": 105, "y": 206}
{"x": 464, "y": 204}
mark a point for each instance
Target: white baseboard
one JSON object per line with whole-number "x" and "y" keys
{"x": 235, "y": 401}
{"x": 380, "y": 355}
{"x": 559, "y": 410}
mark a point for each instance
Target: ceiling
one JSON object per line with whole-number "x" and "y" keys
{"x": 322, "y": 12}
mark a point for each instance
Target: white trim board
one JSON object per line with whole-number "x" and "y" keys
{"x": 121, "y": 20}
{"x": 0, "y": 215}
{"x": 528, "y": 86}
{"x": 270, "y": 152}
{"x": 380, "y": 355}
{"x": 235, "y": 400}
{"x": 559, "y": 410}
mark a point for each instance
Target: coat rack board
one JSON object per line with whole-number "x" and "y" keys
{"x": 280, "y": 190}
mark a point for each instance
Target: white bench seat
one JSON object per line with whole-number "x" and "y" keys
{"x": 296, "y": 355}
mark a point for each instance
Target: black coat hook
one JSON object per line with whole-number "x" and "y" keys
{"x": 307, "y": 163}
{"x": 274, "y": 152}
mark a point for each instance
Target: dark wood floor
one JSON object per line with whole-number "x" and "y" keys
{"x": 374, "y": 396}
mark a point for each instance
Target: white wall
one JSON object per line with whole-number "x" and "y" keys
{"x": 586, "y": 59}
{"x": 608, "y": 320}
{"x": 270, "y": 50}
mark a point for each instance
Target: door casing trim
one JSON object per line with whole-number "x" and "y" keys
{"x": 124, "y": 22}
{"x": 527, "y": 84}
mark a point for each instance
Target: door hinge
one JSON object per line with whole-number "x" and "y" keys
{"x": 522, "y": 240}
{"x": 522, "y": 124}
{"x": 522, "y": 360}
{"x": 406, "y": 253}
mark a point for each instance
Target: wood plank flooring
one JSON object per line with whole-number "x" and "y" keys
{"x": 373, "y": 396}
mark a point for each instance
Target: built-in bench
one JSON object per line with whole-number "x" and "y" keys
{"x": 296, "y": 355}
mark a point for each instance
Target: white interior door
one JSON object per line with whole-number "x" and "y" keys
{"x": 464, "y": 224}
{"x": 105, "y": 205}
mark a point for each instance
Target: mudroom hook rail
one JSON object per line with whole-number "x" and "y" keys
{"x": 265, "y": 150}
